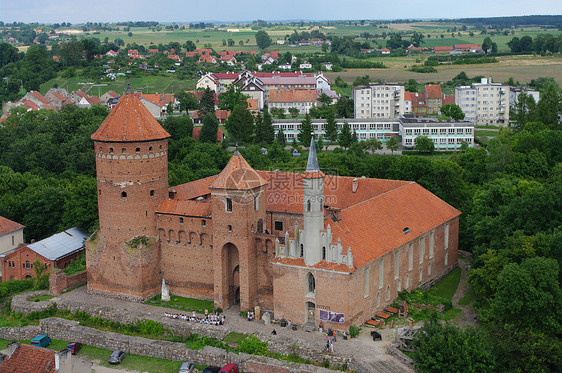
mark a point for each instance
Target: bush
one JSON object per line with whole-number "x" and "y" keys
{"x": 253, "y": 345}
{"x": 12, "y": 287}
{"x": 354, "y": 331}
{"x": 76, "y": 266}
{"x": 423, "y": 69}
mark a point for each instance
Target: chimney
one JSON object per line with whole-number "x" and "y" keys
{"x": 172, "y": 194}
{"x": 354, "y": 185}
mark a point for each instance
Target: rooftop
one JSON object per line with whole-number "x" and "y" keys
{"x": 60, "y": 244}
{"x": 8, "y": 226}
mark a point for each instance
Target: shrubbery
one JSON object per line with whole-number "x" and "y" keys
{"x": 12, "y": 287}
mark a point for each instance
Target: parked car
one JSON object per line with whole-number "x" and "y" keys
{"x": 212, "y": 369}
{"x": 116, "y": 357}
{"x": 186, "y": 367}
{"x": 74, "y": 347}
{"x": 229, "y": 368}
{"x": 41, "y": 341}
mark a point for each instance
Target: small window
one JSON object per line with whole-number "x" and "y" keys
{"x": 308, "y": 206}
{"x": 111, "y": 150}
{"x": 230, "y": 228}
{"x": 99, "y": 192}
{"x": 256, "y": 203}
{"x": 278, "y": 225}
{"x": 229, "y": 204}
{"x": 152, "y": 193}
{"x": 310, "y": 284}
{"x": 323, "y": 252}
{"x": 13, "y": 240}
{"x": 150, "y": 149}
{"x": 27, "y": 264}
{"x": 123, "y": 194}
{"x": 181, "y": 220}
{"x": 302, "y": 250}
{"x": 124, "y": 151}
{"x": 203, "y": 223}
{"x": 101, "y": 150}
{"x": 137, "y": 150}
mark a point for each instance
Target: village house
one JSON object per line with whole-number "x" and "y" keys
{"x": 22, "y": 358}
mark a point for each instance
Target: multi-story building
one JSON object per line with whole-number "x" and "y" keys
{"x": 301, "y": 99}
{"x": 514, "y": 93}
{"x": 434, "y": 98}
{"x": 445, "y": 135}
{"x": 484, "y": 103}
{"x": 378, "y": 100}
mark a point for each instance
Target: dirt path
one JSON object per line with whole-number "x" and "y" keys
{"x": 466, "y": 318}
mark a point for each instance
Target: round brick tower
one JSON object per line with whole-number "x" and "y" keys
{"x": 132, "y": 174}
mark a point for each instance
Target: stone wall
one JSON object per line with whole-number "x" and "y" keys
{"x": 59, "y": 281}
{"x": 67, "y": 330}
{"x": 392, "y": 350}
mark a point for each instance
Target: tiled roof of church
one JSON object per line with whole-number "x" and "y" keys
{"x": 238, "y": 175}
{"x": 129, "y": 121}
{"x": 376, "y": 226}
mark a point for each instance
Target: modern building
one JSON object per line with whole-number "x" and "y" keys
{"x": 514, "y": 93}
{"x": 301, "y": 99}
{"x": 56, "y": 251}
{"x": 484, "y": 103}
{"x": 378, "y": 100}
{"x": 445, "y": 135}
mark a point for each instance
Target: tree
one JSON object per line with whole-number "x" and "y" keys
{"x": 449, "y": 349}
{"x": 178, "y": 127}
{"x": 210, "y": 128}
{"x": 187, "y": 101}
{"x": 411, "y": 85}
{"x": 190, "y": 46}
{"x": 345, "y": 138}
{"x": 278, "y": 112}
{"x": 487, "y": 44}
{"x": 452, "y": 111}
{"x": 281, "y": 138}
{"x": 232, "y": 98}
{"x": 262, "y": 39}
{"x": 324, "y": 99}
{"x": 344, "y": 107}
{"x": 371, "y": 145}
{"x": 417, "y": 39}
{"x": 294, "y": 112}
{"x": 549, "y": 107}
{"x": 305, "y": 133}
{"x": 265, "y": 132}
{"x": 392, "y": 144}
{"x": 207, "y": 103}
{"x": 424, "y": 144}
{"x": 240, "y": 124}
{"x": 331, "y": 127}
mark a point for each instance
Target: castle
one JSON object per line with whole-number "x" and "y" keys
{"x": 308, "y": 246}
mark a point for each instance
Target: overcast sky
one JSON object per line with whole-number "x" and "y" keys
{"x": 75, "y": 11}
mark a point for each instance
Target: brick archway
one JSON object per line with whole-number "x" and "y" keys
{"x": 231, "y": 270}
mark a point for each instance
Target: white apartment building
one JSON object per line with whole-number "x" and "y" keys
{"x": 514, "y": 93}
{"x": 378, "y": 100}
{"x": 484, "y": 103}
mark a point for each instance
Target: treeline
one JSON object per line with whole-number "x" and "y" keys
{"x": 543, "y": 43}
{"x": 516, "y": 21}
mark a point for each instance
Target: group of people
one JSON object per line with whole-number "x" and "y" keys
{"x": 331, "y": 337}
{"x": 213, "y": 318}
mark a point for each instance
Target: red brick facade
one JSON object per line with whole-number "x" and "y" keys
{"x": 18, "y": 264}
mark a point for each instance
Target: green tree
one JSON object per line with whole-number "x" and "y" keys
{"x": 417, "y": 39}
{"x": 445, "y": 348}
{"x": 262, "y": 39}
{"x": 487, "y": 44}
{"x": 344, "y": 107}
{"x": 345, "y": 137}
{"x": 210, "y": 128}
{"x": 371, "y": 145}
{"x": 331, "y": 127}
{"x": 207, "y": 103}
{"x": 392, "y": 144}
{"x": 294, "y": 112}
{"x": 178, "y": 127}
{"x": 187, "y": 101}
{"x": 232, "y": 98}
{"x": 411, "y": 85}
{"x": 240, "y": 124}
{"x": 424, "y": 144}
{"x": 306, "y": 131}
{"x": 452, "y": 111}
{"x": 281, "y": 138}
{"x": 549, "y": 107}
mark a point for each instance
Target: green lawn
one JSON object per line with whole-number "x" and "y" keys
{"x": 486, "y": 133}
{"x": 467, "y": 299}
{"x": 181, "y": 303}
{"x": 234, "y": 337}
{"x": 447, "y": 287}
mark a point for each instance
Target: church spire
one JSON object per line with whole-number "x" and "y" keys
{"x": 312, "y": 164}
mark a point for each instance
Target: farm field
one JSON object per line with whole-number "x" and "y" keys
{"x": 521, "y": 68}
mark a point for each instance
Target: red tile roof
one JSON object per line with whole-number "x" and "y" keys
{"x": 408, "y": 96}
{"x": 185, "y": 208}
{"x": 40, "y": 97}
{"x": 221, "y": 115}
{"x": 7, "y": 226}
{"x": 29, "y": 359}
{"x": 194, "y": 189}
{"x": 129, "y": 121}
{"x": 238, "y": 175}
{"x": 448, "y": 99}
{"x": 197, "y": 131}
{"x": 294, "y": 95}
{"x": 433, "y": 91}
{"x": 442, "y": 49}
{"x": 418, "y": 100}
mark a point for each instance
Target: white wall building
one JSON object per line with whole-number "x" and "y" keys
{"x": 378, "y": 100}
{"x": 514, "y": 93}
{"x": 484, "y": 103}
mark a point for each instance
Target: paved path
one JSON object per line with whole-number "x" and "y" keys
{"x": 362, "y": 349}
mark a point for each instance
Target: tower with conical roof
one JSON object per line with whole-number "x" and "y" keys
{"x": 238, "y": 205}
{"x": 313, "y": 207}
{"x": 131, "y": 150}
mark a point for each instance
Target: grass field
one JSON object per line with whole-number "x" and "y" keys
{"x": 181, "y": 303}
{"x": 447, "y": 287}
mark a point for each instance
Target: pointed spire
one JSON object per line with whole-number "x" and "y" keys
{"x": 312, "y": 164}
{"x": 236, "y": 152}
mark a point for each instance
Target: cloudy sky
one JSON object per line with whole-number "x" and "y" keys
{"x": 74, "y": 11}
